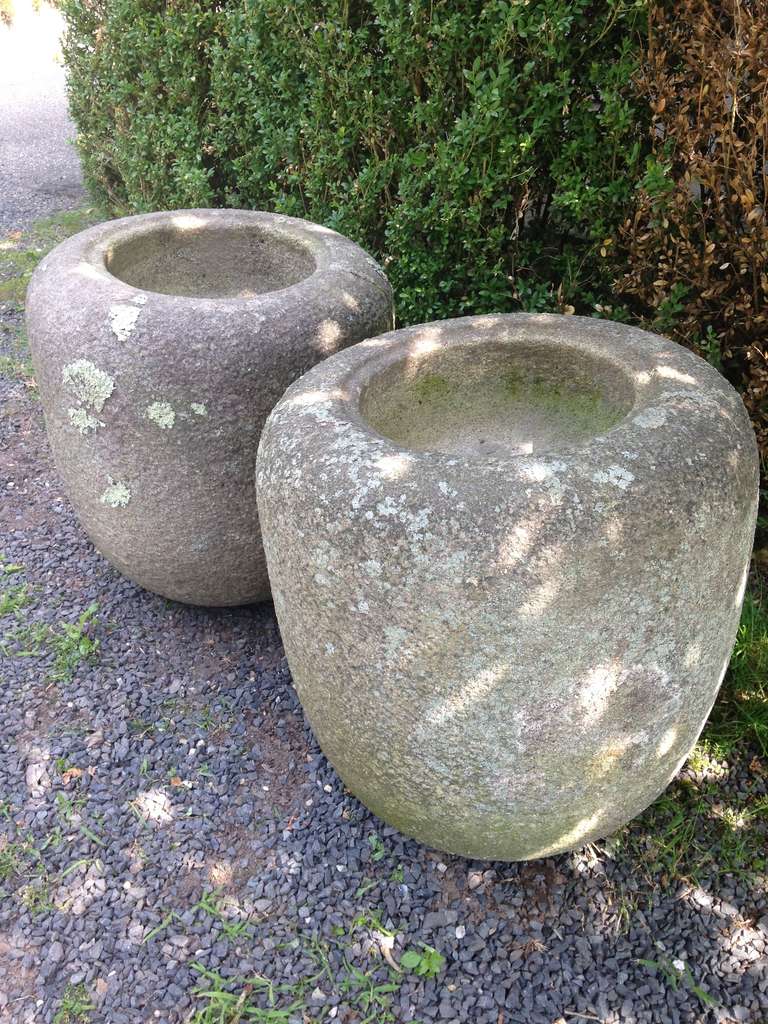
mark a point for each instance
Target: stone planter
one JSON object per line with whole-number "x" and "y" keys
{"x": 160, "y": 344}
{"x": 508, "y": 555}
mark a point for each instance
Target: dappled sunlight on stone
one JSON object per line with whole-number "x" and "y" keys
{"x": 328, "y": 337}
{"x": 83, "y": 885}
{"x": 667, "y": 742}
{"x": 188, "y": 222}
{"x": 316, "y": 397}
{"x": 516, "y": 545}
{"x": 596, "y": 691}
{"x": 315, "y": 229}
{"x": 541, "y": 598}
{"x": 154, "y": 805}
{"x": 742, "y": 588}
{"x": 473, "y": 690}
{"x": 89, "y": 272}
{"x": 606, "y": 759}
{"x": 692, "y": 655}
{"x": 670, "y": 373}
{"x": 220, "y": 872}
{"x": 573, "y": 837}
{"x": 392, "y": 467}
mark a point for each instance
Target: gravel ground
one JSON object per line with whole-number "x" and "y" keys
{"x": 178, "y": 765}
{"x": 39, "y": 168}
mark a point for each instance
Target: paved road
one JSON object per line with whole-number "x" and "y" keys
{"x": 39, "y": 168}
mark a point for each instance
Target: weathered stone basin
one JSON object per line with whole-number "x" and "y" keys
{"x": 508, "y": 555}
{"x": 160, "y": 344}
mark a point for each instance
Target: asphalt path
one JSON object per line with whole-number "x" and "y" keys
{"x": 39, "y": 167}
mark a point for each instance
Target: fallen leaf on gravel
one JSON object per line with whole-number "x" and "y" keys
{"x": 71, "y": 773}
{"x": 386, "y": 944}
{"x": 176, "y": 781}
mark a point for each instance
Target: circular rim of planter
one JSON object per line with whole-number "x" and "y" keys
{"x": 85, "y": 255}
{"x": 660, "y": 371}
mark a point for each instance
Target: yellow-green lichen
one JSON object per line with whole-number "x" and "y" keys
{"x": 199, "y": 408}
{"x": 90, "y": 385}
{"x": 162, "y": 414}
{"x": 83, "y": 421}
{"x": 117, "y": 494}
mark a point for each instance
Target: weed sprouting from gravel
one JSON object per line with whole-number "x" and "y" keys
{"x": 222, "y": 1006}
{"x": 75, "y": 1006}
{"x": 676, "y": 973}
{"x": 426, "y": 962}
{"x": 74, "y": 643}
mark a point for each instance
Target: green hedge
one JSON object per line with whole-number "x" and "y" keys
{"x": 482, "y": 150}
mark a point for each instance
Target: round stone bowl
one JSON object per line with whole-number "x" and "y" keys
{"x": 160, "y": 344}
{"x": 508, "y": 555}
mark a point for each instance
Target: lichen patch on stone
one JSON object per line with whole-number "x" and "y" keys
{"x": 199, "y": 408}
{"x": 90, "y": 385}
{"x": 651, "y": 418}
{"x": 615, "y": 475}
{"x": 116, "y": 495}
{"x": 83, "y": 421}
{"x": 122, "y": 320}
{"x": 162, "y": 414}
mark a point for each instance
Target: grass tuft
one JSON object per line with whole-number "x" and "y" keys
{"x": 75, "y": 1006}
{"x": 741, "y": 712}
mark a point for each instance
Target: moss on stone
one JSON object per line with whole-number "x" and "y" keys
{"x": 431, "y": 386}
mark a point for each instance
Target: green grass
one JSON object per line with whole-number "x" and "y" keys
{"x": 20, "y": 254}
{"x": 222, "y": 1006}
{"x": 15, "y": 858}
{"x": 36, "y": 897}
{"x": 366, "y": 992}
{"x": 695, "y": 833}
{"x": 741, "y": 712}
{"x": 75, "y": 1006}
{"x": 74, "y": 643}
{"x": 14, "y": 598}
{"x": 16, "y": 363}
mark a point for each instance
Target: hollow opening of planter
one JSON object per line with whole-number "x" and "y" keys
{"x": 210, "y": 261}
{"x": 497, "y": 399}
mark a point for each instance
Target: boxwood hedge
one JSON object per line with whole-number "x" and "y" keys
{"x": 483, "y": 150}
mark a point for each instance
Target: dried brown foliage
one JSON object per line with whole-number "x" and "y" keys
{"x": 697, "y": 245}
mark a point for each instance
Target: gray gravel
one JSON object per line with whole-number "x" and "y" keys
{"x": 39, "y": 168}
{"x": 199, "y": 774}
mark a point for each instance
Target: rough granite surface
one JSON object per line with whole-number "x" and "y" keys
{"x": 506, "y": 655}
{"x": 155, "y": 392}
